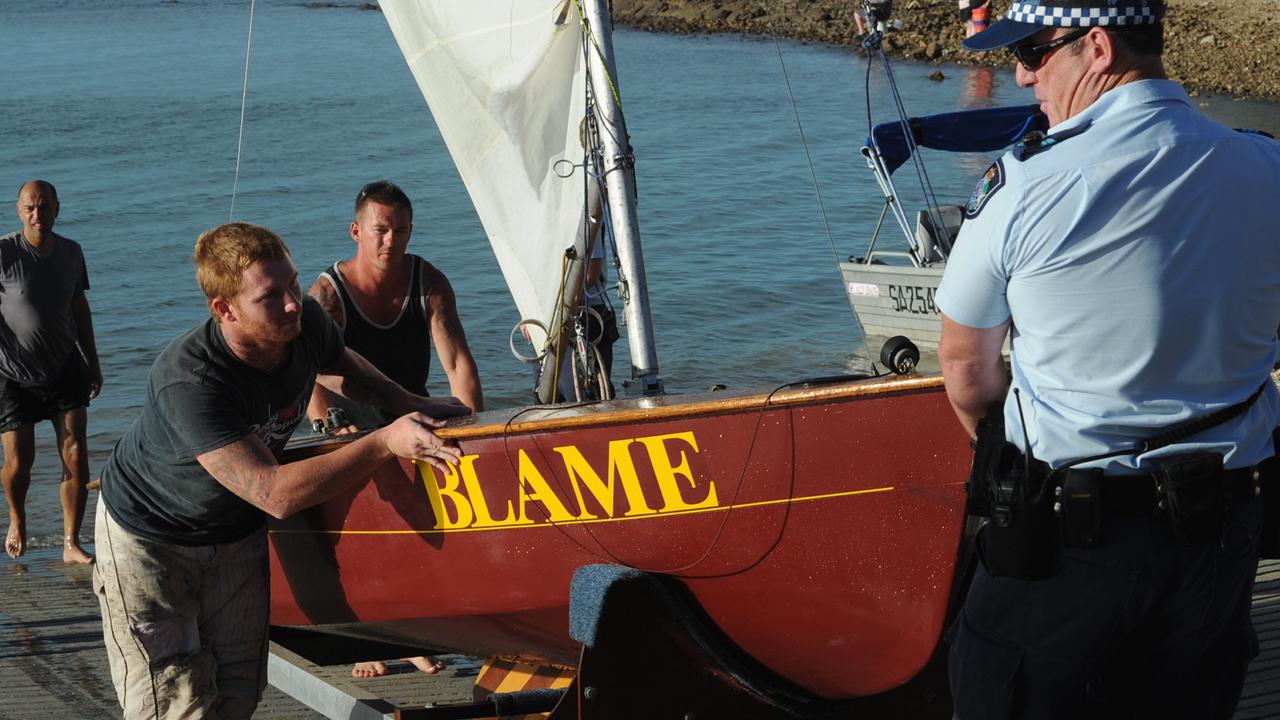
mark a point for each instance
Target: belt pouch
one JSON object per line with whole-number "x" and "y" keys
{"x": 1269, "y": 494}
{"x": 992, "y": 456}
{"x": 1192, "y": 494}
{"x": 1020, "y": 540}
{"x": 1079, "y": 506}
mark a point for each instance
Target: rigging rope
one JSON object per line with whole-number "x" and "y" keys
{"x": 244, "y": 102}
{"x": 591, "y": 40}
{"x": 813, "y": 173}
{"x": 804, "y": 142}
{"x": 588, "y": 137}
{"x": 873, "y": 47}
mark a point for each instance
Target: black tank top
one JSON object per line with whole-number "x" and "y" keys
{"x": 402, "y": 350}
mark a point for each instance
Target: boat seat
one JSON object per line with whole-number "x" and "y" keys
{"x": 935, "y": 246}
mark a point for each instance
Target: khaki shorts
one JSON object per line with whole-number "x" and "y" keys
{"x": 185, "y": 627}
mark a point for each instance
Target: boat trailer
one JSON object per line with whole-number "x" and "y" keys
{"x": 649, "y": 650}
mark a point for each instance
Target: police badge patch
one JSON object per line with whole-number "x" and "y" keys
{"x": 991, "y": 181}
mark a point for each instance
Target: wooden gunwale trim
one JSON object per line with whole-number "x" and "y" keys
{"x": 641, "y": 410}
{"x": 709, "y": 406}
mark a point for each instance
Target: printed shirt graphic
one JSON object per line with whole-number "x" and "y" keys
{"x": 280, "y": 425}
{"x": 202, "y": 398}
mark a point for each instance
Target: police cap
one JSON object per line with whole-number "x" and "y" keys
{"x": 1028, "y": 17}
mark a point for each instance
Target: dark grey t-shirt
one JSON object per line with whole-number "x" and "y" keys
{"x": 200, "y": 397}
{"x": 37, "y": 330}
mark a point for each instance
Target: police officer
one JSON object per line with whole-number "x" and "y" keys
{"x": 1131, "y": 255}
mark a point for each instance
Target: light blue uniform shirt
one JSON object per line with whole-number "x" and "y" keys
{"x": 1140, "y": 263}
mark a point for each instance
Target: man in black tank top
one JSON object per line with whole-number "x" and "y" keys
{"x": 392, "y": 307}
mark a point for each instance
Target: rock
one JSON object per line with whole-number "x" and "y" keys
{"x": 1208, "y": 46}
{"x": 937, "y": 76}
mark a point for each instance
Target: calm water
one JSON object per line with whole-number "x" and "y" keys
{"x": 131, "y": 108}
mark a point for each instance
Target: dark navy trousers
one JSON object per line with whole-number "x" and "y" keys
{"x": 1142, "y": 626}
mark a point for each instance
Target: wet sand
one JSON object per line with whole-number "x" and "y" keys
{"x": 1222, "y": 47}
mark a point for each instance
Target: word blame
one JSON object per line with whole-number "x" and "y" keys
{"x": 663, "y": 481}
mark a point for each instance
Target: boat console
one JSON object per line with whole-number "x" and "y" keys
{"x": 935, "y": 243}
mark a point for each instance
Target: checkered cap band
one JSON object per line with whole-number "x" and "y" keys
{"x": 1118, "y": 13}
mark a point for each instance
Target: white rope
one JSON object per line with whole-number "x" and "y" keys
{"x": 244, "y": 102}
{"x": 813, "y": 172}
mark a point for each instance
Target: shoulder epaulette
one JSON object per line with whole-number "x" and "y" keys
{"x": 1036, "y": 142}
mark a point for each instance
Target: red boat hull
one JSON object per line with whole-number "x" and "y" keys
{"x": 817, "y": 528}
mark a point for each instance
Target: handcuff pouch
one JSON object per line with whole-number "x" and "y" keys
{"x": 1192, "y": 493}
{"x": 1079, "y": 506}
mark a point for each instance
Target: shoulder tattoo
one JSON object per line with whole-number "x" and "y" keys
{"x": 325, "y": 294}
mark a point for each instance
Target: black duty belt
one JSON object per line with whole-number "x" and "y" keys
{"x": 1140, "y": 494}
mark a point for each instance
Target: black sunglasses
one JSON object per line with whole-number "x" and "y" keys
{"x": 1033, "y": 56}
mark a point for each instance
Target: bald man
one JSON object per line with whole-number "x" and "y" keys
{"x": 48, "y": 362}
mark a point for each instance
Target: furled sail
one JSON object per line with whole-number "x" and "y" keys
{"x": 505, "y": 82}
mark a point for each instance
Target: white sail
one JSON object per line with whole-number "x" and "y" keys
{"x": 505, "y": 82}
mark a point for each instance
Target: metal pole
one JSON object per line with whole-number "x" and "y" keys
{"x": 619, "y": 175}
{"x": 548, "y": 378}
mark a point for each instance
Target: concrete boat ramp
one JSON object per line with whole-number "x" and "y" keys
{"x": 53, "y": 665}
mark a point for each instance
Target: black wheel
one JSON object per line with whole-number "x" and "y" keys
{"x": 899, "y": 355}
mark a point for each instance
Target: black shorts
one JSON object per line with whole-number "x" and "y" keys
{"x": 21, "y": 404}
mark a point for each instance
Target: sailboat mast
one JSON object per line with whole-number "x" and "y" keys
{"x": 619, "y": 175}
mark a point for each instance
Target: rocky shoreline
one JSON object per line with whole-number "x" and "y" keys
{"x": 1228, "y": 48}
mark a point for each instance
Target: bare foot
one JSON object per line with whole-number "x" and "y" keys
{"x": 424, "y": 663}
{"x": 427, "y": 664}
{"x": 15, "y": 541}
{"x": 73, "y": 554}
{"x": 368, "y": 669}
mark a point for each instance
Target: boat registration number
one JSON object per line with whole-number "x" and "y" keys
{"x": 914, "y": 299}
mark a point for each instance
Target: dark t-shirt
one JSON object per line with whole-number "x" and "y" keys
{"x": 200, "y": 397}
{"x": 37, "y": 329}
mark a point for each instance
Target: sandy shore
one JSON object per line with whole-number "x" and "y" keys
{"x": 1212, "y": 47}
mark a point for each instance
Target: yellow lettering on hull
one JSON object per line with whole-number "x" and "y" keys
{"x": 583, "y": 476}
{"x": 573, "y": 490}
{"x": 673, "y": 498}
